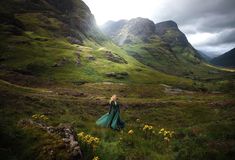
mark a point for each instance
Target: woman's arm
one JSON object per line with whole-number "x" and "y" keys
{"x": 110, "y": 107}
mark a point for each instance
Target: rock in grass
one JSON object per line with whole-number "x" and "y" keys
{"x": 73, "y": 40}
{"x": 91, "y": 58}
{"x": 78, "y": 62}
{"x": 80, "y": 82}
{"x": 114, "y": 57}
{"x": 78, "y": 53}
{"x": 65, "y": 131}
{"x": 117, "y": 75}
{"x": 61, "y": 62}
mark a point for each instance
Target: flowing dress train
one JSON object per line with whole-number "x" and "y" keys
{"x": 112, "y": 118}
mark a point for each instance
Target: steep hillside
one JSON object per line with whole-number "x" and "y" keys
{"x": 226, "y": 60}
{"x": 58, "y": 71}
{"x": 71, "y": 19}
{"x": 170, "y": 33}
{"x": 134, "y": 30}
{"x": 205, "y": 56}
{"x": 53, "y": 41}
{"x": 161, "y": 46}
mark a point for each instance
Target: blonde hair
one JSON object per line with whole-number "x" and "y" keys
{"x": 112, "y": 98}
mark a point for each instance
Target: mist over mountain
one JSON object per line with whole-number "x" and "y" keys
{"x": 124, "y": 32}
{"x": 161, "y": 46}
{"x": 204, "y": 56}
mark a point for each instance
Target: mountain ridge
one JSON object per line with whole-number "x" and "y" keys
{"x": 226, "y": 60}
{"x": 58, "y": 72}
{"x": 75, "y": 18}
{"x": 47, "y": 42}
{"x": 158, "y": 45}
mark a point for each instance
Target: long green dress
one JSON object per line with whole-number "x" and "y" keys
{"x": 112, "y": 118}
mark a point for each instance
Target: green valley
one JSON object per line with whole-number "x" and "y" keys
{"x": 58, "y": 72}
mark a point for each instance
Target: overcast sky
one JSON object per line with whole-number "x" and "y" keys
{"x": 208, "y": 24}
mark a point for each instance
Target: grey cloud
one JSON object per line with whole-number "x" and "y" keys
{"x": 217, "y": 23}
{"x": 227, "y": 36}
{"x": 199, "y": 16}
{"x": 206, "y": 15}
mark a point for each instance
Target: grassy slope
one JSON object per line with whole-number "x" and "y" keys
{"x": 30, "y": 84}
{"x": 198, "y": 136}
{"x": 177, "y": 62}
{"x": 35, "y": 52}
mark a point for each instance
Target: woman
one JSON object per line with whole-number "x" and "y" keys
{"x": 112, "y": 118}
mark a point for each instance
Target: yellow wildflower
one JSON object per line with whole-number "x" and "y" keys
{"x": 149, "y": 127}
{"x": 97, "y": 140}
{"x": 81, "y": 134}
{"x": 165, "y": 133}
{"x": 166, "y": 139}
{"x": 130, "y": 131}
{"x": 145, "y": 127}
{"x": 171, "y": 134}
{"x": 96, "y": 158}
{"x": 45, "y": 118}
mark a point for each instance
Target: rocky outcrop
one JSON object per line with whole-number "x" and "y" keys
{"x": 64, "y": 131}
{"x": 117, "y": 75}
{"x": 141, "y": 27}
{"x": 129, "y": 31}
{"x": 74, "y": 18}
{"x": 112, "y": 28}
{"x": 162, "y": 27}
{"x": 90, "y": 57}
{"x": 61, "y": 62}
{"x": 170, "y": 33}
{"x": 114, "y": 57}
{"x": 160, "y": 46}
{"x": 73, "y": 40}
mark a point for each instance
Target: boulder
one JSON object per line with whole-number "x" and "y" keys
{"x": 65, "y": 131}
{"x": 60, "y": 63}
{"x": 91, "y": 58}
{"x": 78, "y": 53}
{"x": 80, "y": 82}
{"x": 78, "y": 62}
{"x": 73, "y": 40}
{"x": 114, "y": 57}
{"x": 117, "y": 75}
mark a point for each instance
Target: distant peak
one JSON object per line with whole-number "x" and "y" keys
{"x": 140, "y": 19}
{"x": 168, "y": 24}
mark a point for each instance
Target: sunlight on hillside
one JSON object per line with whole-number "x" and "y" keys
{"x": 221, "y": 68}
{"x": 134, "y": 89}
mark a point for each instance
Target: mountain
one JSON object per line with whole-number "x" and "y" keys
{"x": 58, "y": 72}
{"x": 112, "y": 28}
{"x": 170, "y": 33}
{"x": 161, "y": 46}
{"x": 129, "y": 31}
{"x": 55, "y": 41}
{"x": 204, "y": 56}
{"x": 226, "y": 60}
{"x": 71, "y": 19}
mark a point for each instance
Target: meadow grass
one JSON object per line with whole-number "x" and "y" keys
{"x": 203, "y": 122}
